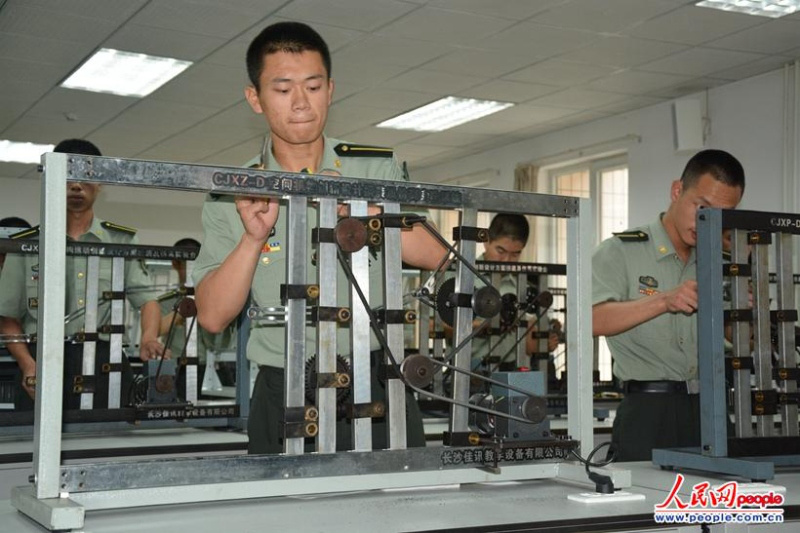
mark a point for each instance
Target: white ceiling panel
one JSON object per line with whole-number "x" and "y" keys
{"x": 697, "y": 61}
{"x": 205, "y": 84}
{"x": 622, "y": 52}
{"x": 216, "y": 19}
{"x": 759, "y": 66}
{"x": 164, "y": 116}
{"x": 43, "y": 130}
{"x": 41, "y": 49}
{"x": 389, "y": 50}
{"x": 579, "y": 99}
{"x": 391, "y": 99}
{"x": 629, "y": 104}
{"x": 85, "y": 106}
{"x": 694, "y": 25}
{"x": 12, "y": 171}
{"x": 364, "y": 15}
{"x": 636, "y": 82}
{"x": 691, "y": 86}
{"x": 119, "y": 141}
{"x": 384, "y": 137}
{"x": 432, "y": 81}
{"x": 603, "y": 16}
{"x": 561, "y": 73}
{"x": 517, "y": 117}
{"x": 783, "y": 35}
{"x": 509, "y": 91}
{"x": 536, "y": 40}
{"x": 111, "y": 10}
{"x": 439, "y": 25}
{"x": 23, "y": 19}
{"x": 237, "y": 155}
{"x": 471, "y": 61}
{"x": 509, "y": 9}
{"x": 164, "y": 43}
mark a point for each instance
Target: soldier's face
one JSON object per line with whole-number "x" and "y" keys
{"x": 503, "y": 249}
{"x": 294, "y": 96}
{"x": 81, "y": 196}
{"x": 707, "y": 192}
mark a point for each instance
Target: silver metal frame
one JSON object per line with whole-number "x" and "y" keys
{"x": 55, "y": 503}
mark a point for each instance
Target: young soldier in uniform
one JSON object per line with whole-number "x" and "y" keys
{"x": 19, "y": 290}
{"x": 644, "y": 296}
{"x": 508, "y": 236}
{"x": 244, "y": 246}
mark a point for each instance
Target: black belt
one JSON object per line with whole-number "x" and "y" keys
{"x": 658, "y": 387}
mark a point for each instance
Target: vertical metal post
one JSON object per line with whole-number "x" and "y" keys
{"x": 580, "y": 234}
{"x": 438, "y": 352}
{"x": 115, "y": 343}
{"x": 465, "y": 284}
{"x": 710, "y": 324}
{"x": 190, "y": 370}
{"x": 50, "y": 345}
{"x": 424, "y": 321}
{"x": 243, "y": 386}
{"x": 494, "y": 341}
{"x": 326, "y": 330}
{"x": 543, "y": 326}
{"x": 784, "y": 250}
{"x": 360, "y": 338}
{"x": 740, "y": 329}
{"x": 91, "y": 301}
{"x": 522, "y": 328}
{"x": 297, "y": 257}
{"x": 393, "y": 300}
{"x": 762, "y": 334}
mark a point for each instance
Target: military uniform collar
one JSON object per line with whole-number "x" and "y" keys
{"x": 661, "y": 242}
{"x": 330, "y": 162}
{"x": 95, "y": 230}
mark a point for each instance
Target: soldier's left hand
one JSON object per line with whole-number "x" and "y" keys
{"x": 153, "y": 349}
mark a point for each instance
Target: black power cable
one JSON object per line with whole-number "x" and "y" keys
{"x": 602, "y": 483}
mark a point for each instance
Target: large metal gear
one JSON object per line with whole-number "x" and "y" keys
{"x": 342, "y": 367}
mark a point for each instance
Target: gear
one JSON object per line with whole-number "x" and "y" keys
{"x": 342, "y": 367}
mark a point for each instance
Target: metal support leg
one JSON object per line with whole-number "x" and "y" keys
{"x": 360, "y": 336}
{"x": 784, "y": 251}
{"x": 297, "y": 258}
{"x": 465, "y": 284}
{"x": 91, "y": 301}
{"x": 115, "y": 345}
{"x": 326, "y": 330}
{"x": 393, "y": 300}
{"x": 740, "y": 291}
{"x": 765, "y": 425}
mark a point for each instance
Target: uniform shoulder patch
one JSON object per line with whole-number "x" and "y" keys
{"x": 26, "y": 233}
{"x": 362, "y": 150}
{"x": 632, "y": 236}
{"x": 116, "y": 227}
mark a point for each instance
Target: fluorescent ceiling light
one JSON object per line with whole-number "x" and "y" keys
{"x": 124, "y": 73}
{"x": 764, "y": 8}
{"x": 444, "y": 114}
{"x": 16, "y": 152}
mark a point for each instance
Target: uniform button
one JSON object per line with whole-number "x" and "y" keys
{"x": 80, "y": 275}
{"x": 265, "y": 260}
{"x": 80, "y": 302}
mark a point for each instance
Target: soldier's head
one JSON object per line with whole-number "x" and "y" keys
{"x": 289, "y": 66}
{"x": 712, "y": 178}
{"x": 508, "y": 235}
{"x": 180, "y": 266}
{"x": 80, "y": 195}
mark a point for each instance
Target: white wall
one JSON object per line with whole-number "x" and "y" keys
{"x": 746, "y": 120}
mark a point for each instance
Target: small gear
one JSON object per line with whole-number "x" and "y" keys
{"x": 342, "y": 367}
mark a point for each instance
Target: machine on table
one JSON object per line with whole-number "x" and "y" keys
{"x": 61, "y": 494}
{"x": 757, "y": 378}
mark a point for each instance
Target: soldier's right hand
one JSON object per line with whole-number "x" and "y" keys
{"x": 258, "y": 215}
{"x": 683, "y": 298}
{"x": 29, "y": 383}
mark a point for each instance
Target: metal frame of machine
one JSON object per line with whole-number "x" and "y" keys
{"x": 61, "y": 494}
{"x": 746, "y": 382}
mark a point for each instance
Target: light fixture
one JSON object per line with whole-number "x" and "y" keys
{"x": 763, "y": 8}
{"x": 17, "y": 152}
{"x": 444, "y": 114}
{"x": 124, "y": 73}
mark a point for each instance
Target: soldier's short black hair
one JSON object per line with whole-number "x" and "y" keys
{"x": 510, "y": 225}
{"x": 719, "y": 164}
{"x": 14, "y": 222}
{"x": 77, "y": 146}
{"x": 188, "y": 242}
{"x": 293, "y": 37}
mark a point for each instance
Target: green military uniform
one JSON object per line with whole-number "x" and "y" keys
{"x": 19, "y": 284}
{"x": 637, "y": 264}
{"x": 177, "y": 342}
{"x": 223, "y": 229}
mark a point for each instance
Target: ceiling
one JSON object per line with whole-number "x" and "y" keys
{"x": 563, "y": 62}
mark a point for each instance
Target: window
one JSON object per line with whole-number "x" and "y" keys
{"x": 606, "y": 182}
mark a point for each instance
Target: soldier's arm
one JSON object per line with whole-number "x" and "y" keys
{"x": 421, "y": 249}
{"x": 19, "y": 351}
{"x": 150, "y": 346}
{"x": 613, "y": 318}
